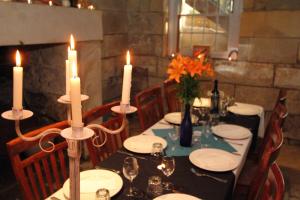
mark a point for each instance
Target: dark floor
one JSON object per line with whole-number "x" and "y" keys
{"x": 289, "y": 161}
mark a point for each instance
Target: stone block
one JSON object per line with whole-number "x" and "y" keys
{"x": 149, "y": 62}
{"x": 292, "y": 126}
{"x": 111, "y": 88}
{"x": 248, "y": 5}
{"x": 244, "y": 46}
{"x": 151, "y": 23}
{"x": 287, "y": 77}
{"x": 114, "y": 45}
{"x": 145, "y": 44}
{"x": 133, "y": 5}
{"x": 244, "y": 73}
{"x": 293, "y": 101}
{"x": 162, "y": 67}
{"x": 144, "y": 5}
{"x": 114, "y": 22}
{"x": 251, "y": 22}
{"x": 111, "y": 4}
{"x": 156, "y": 5}
{"x": 108, "y": 68}
{"x": 273, "y": 50}
{"x": 265, "y": 97}
{"x": 270, "y": 24}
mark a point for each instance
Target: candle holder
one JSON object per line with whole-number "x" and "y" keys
{"x": 124, "y": 108}
{"x": 73, "y": 136}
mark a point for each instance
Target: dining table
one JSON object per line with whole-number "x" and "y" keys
{"x": 184, "y": 180}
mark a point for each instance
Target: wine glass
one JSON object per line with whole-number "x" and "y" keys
{"x": 130, "y": 171}
{"x": 167, "y": 166}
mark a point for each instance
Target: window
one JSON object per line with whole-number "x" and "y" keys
{"x": 210, "y": 23}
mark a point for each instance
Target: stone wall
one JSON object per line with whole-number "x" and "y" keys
{"x": 114, "y": 45}
{"x": 269, "y": 47}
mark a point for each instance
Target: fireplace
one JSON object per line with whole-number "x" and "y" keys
{"x": 41, "y": 33}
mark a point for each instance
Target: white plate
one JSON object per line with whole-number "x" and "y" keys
{"x": 175, "y": 118}
{"x": 176, "y": 196}
{"x": 231, "y": 131}
{"x": 143, "y": 143}
{"x": 245, "y": 109}
{"x": 92, "y": 180}
{"x": 214, "y": 160}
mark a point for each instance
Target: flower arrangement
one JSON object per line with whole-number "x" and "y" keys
{"x": 186, "y": 71}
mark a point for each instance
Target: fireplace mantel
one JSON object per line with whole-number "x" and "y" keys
{"x": 23, "y": 24}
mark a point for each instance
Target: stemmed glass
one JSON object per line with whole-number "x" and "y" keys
{"x": 167, "y": 166}
{"x": 130, "y": 171}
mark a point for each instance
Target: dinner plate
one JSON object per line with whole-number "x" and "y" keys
{"x": 214, "y": 160}
{"x": 231, "y": 131}
{"x": 175, "y": 118}
{"x": 245, "y": 109}
{"x": 143, "y": 143}
{"x": 176, "y": 196}
{"x": 92, "y": 180}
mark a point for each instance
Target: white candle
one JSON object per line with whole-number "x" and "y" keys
{"x": 126, "y": 81}
{"x": 72, "y": 53}
{"x": 18, "y": 83}
{"x": 75, "y": 98}
{"x": 68, "y": 77}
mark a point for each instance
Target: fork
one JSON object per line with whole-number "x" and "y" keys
{"x": 202, "y": 174}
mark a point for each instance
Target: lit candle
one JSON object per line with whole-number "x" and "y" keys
{"x": 18, "y": 83}
{"x": 126, "y": 81}
{"x": 72, "y": 53}
{"x": 75, "y": 98}
{"x": 68, "y": 77}
{"x": 202, "y": 102}
{"x": 50, "y": 3}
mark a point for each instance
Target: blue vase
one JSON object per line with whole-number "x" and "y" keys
{"x": 186, "y": 128}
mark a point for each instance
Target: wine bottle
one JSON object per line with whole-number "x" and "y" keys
{"x": 215, "y": 98}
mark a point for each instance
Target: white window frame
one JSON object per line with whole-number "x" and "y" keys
{"x": 233, "y": 29}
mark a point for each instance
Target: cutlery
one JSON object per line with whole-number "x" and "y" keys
{"x": 130, "y": 154}
{"x": 113, "y": 170}
{"x": 212, "y": 177}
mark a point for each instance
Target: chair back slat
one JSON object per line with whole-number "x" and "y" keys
{"x": 170, "y": 94}
{"x": 274, "y": 186}
{"x": 269, "y": 156}
{"x": 103, "y": 115}
{"x": 32, "y": 181}
{"x": 55, "y": 170}
{"x": 62, "y": 162}
{"x": 150, "y": 106}
{"x": 39, "y": 173}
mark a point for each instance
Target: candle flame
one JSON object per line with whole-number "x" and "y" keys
{"x": 128, "y": 58}
{"x": 18, "y": 58}
{"x": 74, "y": 70}
{"x": 50, "y": 3}
{"x": 72, "y": 42}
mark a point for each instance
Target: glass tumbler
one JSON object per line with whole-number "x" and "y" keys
{"x": 154, "y": 186}
{"x": 102, "y": 194}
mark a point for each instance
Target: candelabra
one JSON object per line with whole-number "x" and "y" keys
{"x": 73, "y": 135}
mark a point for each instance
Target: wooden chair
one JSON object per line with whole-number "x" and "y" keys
{"x": 253, "y": 176}
{"x": 39, "y": 174}
{"x": 150, "y": 106}
{"x": 279, "y": 113}
{"x": 170, "y": 94}
{"x": 103, "y": 115}
{"x": 274, "y": 185}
